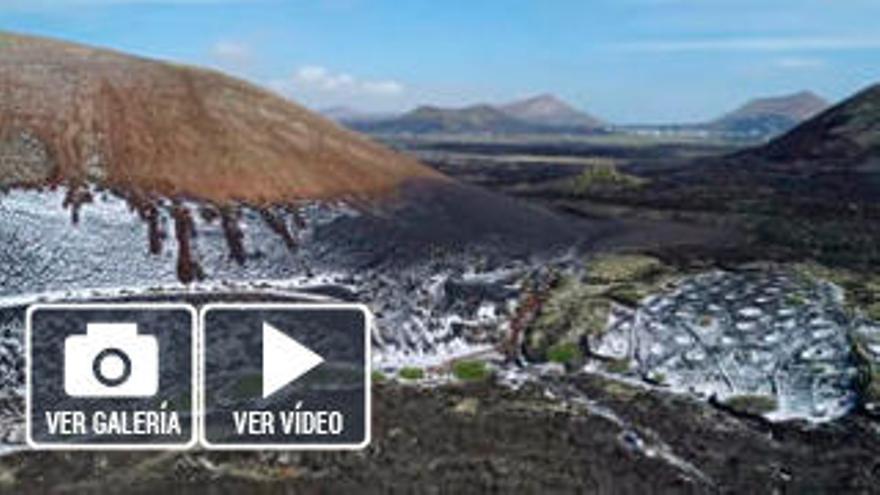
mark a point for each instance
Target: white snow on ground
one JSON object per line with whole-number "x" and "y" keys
{"x": 42, "y": 251}
{"x": 716, "y": 335}
{"x": 729, "y": 334}
{"x": 424, "y": 318}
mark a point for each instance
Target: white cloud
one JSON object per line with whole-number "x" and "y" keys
{"x": 317, "y": 78}
{"x": 232, "y": 52}
{"x": 769, "y": 44}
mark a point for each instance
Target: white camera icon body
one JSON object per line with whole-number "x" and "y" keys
{"x": 111, "y": 360}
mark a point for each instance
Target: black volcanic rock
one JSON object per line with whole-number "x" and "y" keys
{"x": 809, "y": 194}
{"x": 430, "y": 219}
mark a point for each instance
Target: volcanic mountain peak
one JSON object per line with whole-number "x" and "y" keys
{"x": 548, "y": 109}
{"x": 772, "y": 115}
{"x": 478, "y": 111}
{"x": 476, "y": 117}
{"x": 848, "y": 132}
{"x": 541, "y": 114}
{"x": 541, "y": 104}
{"x": 799, "y": 106}
{"x": 425, "y": 119}
{"x": 73, "y": 114}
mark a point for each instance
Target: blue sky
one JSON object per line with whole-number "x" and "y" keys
{"x": 624, "y": 60}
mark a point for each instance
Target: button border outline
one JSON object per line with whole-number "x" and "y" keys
{"x": 195, "y": 412}
{"x": 368, "y": 391}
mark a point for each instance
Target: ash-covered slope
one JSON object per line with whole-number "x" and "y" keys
{"x": 72, "y": 114}
{"x": 212, "y": 170}
{"x": 834, "y": 155}
{"x": 845, "y": 135}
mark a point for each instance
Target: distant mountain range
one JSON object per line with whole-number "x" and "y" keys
{"x": 539, "y": 114}
{"x": 765, "y": 117}
{"x": 770, "y": 116}
{"x": 759, "y": 118}
{"x": 429, "y": 119}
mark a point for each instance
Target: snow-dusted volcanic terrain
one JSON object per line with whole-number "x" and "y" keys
{"x": 770, "y": 334}
{"x": 232, "y": 192}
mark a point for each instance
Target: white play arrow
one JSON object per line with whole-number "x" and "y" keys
{"x": 284, "y": 360}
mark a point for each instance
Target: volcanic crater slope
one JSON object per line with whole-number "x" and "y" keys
{"x": 834, "y": 155}
{"x": 187, "y": 148}
{"x": 73, "y": 114}
{"x": 846, "y": 135}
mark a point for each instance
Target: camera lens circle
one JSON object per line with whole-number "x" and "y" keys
{"x": 111, "y": 381}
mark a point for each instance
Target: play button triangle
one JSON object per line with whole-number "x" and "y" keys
{"x": 284, "y": 360}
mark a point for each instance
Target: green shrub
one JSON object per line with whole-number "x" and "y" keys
{"x": 470, "y": 370}
{"x": 571, "y": 307}
{"x": 605, "y": 176}
{"x": 378, "y": 377}
{"x": 626, "y": 294}
{"x": 617, "y": 366}
{"x": 753, "y": 404}
{"x": 410, "y": 373}
{"x": 564, "y": 353}
{"x": 623, "y": 267}
{"x": 795, "y": 300}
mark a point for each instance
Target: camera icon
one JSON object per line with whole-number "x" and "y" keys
{"x": 111, "y": 360}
